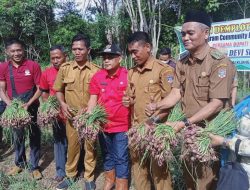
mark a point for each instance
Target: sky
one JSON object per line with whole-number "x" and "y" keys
{"x": 81, "y": 3}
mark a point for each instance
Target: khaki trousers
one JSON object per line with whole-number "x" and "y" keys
{"x": 74, "y": 148}
{"x": 149, "y": 171}
{"x": 201, "y": 176}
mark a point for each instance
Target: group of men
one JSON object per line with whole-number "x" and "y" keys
{"x": 202, "y": 82}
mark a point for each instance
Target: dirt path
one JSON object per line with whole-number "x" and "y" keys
{"x": 48, "y": 168}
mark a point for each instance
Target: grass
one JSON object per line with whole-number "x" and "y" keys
{"x": 22, "y": 181}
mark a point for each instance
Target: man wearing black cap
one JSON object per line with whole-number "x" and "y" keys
{"x": 203, "y": 83}
{"x": 165, "y": 57}
{"x": 107, "y": 87}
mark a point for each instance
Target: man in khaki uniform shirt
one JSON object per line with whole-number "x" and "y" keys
{"x": 149, "y": 81}
{"x": 203, "y": 83}
{"x": 72, "y": 85}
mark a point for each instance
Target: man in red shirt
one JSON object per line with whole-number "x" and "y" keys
{"x": 57, "y": 58}
{"x": 107, "y": 87}
{"x": 26, "y": 76}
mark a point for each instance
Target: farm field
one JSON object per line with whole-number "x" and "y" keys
{"x": 24, "y": 181}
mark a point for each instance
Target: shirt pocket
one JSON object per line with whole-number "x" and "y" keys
{"x": 203, "y": 88}
{"x": 69, "y": 83}
{"x": 121, "y": 91}
{"x": 122, "y": 86}
{"x": 152, "y": 88}
{"x": 103, "y": 89}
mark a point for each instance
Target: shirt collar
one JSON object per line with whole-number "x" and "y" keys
{"x": 53, "y": 68}
{"x": 116, "y": 75}
{"x": 87, "y": 65}
{"x": 200, "y": 56}
{"x": 24, "y": 62}
{"x": 148, "y": 65}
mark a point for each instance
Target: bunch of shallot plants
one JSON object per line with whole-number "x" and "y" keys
{"x": 155, "y": 141}
{"x": 15, "y": 115}
{"x": 163, "y": 138}
{"x": 197, "y": 144}
{"x": 89, "y": 125}
{"x": 48, "y": 112}
{"x": 140, "y": 139}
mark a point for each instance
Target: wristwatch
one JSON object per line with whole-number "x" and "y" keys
{"x": 155, "y": 119}
{"x": 186, "y": 122}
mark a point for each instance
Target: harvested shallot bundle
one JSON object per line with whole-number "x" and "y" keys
{"x": 89, "y": 125}
{"x": 48, "y": 112}
{"x": 197, "y": 144}
{"x": 156, "y": 141}
{"x": 15, "y": 115}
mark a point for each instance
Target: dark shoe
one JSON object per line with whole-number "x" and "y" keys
{"x": 65, "y": 184}
{"x": 89, "y": 185}
{"x": 109, "y": 180}
{"x": 58, "y": 178}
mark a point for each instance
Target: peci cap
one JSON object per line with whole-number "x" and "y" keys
{"x": 198, "y": 16}
{"x": 111, "y": 49}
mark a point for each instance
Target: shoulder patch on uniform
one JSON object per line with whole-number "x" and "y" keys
{"x": 222, "y": 72}
{"x": 217, "y": 54}
{"x": 170, "y": 78}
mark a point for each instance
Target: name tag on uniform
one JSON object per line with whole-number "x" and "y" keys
{"x": 104, "y": 83}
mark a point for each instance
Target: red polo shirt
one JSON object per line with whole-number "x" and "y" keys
{"x": 25, "y": 76}
{"x": 110, "y": 91}
{"x": 47, "y": 80}
{"x": 46, "y": 84}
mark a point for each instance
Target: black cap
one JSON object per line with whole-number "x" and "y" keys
{"x": 165, "y": 51}
{"x": 112, "y": 49}
{"x": 198, "y": 16}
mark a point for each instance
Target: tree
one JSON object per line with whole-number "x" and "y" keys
{"x": 145, "y": 15}
{"x": 107, "y": 11}
{"x": 27, "y": 20}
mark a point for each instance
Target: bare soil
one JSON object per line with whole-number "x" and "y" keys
{"x": 47, "y": 166}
